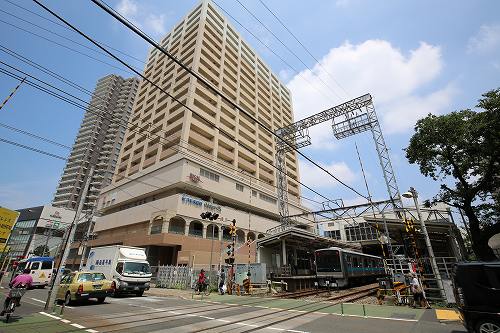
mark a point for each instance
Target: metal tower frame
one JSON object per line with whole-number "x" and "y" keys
{"x": 349, "y": 118}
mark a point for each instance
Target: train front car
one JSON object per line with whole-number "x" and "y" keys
{"x": 330, "y": 268}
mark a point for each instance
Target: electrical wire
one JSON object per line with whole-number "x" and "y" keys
{"x": 286, "y": 47}
{"x": 294, "y": 70}
{"x": 32, "y": 149}
{"x": 144, "y": 36}
{"x": 304, "y": 47}
{"x": 69, "y": 29}
{"x": 89, "y": 110}
{"x": 33, "y": 135}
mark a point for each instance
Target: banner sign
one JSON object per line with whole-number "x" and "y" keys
{"x": 7, "y": 220}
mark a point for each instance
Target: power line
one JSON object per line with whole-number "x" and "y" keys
{"x": 101, "y": 115}
{"x": 284, "y": 45}
{"x": 66, "y": 47}
{"x": 69, "y": 29}
{"x": 294, "y": 70}
{"x": 144, "y": 36}
{"x": 304, "y": 47}
{"x": 32, "y": 149}
{"x": 33, "y": 135}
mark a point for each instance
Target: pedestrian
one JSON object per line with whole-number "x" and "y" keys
{"x": 222, "y": 280}
{"x": 418, "y": 293}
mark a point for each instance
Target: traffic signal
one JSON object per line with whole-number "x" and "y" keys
{"x": 229, "y": 249}
{"x": 229, "y": 261}
{"x": 209, "y": 216}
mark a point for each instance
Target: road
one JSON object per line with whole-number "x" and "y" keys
{"x": 169, "y": 314}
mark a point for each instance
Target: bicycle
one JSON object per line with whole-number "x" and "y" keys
{"x": 204, "y": 289}
{"x": 15, "y": 295}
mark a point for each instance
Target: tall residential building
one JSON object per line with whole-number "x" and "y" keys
{"x": 98, "y": 141}
{"x": 183, "y": 166}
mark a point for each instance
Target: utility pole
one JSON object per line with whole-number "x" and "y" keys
{"x": 86, "y": 237}
{"x": 51, "y": 298}
{"x": 12, "y": 93}
{"x": 412, "y": 193}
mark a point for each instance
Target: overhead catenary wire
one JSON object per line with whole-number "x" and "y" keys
{"x": 287, "y": 48}
{"x": 303, "y": 46}
{"x": 92, "y": 111}
{"x": 144, "y": 36}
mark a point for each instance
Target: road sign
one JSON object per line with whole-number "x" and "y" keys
{"x": 7, "y": 220}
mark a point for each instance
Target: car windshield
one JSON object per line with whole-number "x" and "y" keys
{"x": 136, "y": 268}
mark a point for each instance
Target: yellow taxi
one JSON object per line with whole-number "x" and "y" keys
{"x": 77, "y": 286}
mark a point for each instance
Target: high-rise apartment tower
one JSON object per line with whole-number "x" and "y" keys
{"x": 98, "y": 141}
{"x": 182, "y": 166}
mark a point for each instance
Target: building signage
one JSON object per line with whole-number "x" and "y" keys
{"x": 194, "y": 178}
{"x": 7, "y": 220}
{"x": 189, "y": 200}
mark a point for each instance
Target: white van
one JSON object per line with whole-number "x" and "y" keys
{"x": 41, "y": 269}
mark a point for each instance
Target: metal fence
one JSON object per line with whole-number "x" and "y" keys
{"x": 176, "y": 277}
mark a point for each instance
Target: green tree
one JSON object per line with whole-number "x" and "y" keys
{"x": 462, "y": 151}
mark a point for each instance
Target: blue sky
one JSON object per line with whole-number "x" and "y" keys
{"x": 413, "y": 57}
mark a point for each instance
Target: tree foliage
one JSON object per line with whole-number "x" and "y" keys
{"x": 462, "y": 151}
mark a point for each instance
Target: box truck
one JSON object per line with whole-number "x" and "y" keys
{"x": 125, "y": 265}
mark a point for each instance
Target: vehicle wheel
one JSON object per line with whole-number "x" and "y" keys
{"x": 139, "y": 293}
{"x": 488, "y": 326}
{"x": 67, "y": 299}
{"x": 100, "y": 300}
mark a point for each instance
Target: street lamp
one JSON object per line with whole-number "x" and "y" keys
{"x": 412, "y": 193}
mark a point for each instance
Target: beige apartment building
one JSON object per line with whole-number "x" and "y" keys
{"x": 166, "y": 177}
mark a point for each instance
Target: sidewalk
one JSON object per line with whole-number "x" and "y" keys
{"x": 164, "y": 292}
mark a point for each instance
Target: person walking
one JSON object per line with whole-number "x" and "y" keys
{"x": 418, "y": 293}
{"x": 222, "y": 280}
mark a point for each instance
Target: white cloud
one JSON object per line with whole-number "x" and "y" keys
{"x": 376, "y": 67}
{"x": 342, "y": 3}
{"x": 144, "y": 18}
{"x": 486, "y": 40}
{"x": 316, "y": 178}
{"x": 127, "y": 8}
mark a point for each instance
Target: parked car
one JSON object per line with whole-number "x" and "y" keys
{"x": 477, "y": 292}
{"x": 83, "y": 286}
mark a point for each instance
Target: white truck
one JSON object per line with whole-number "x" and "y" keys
{"x": 125, "y": 265}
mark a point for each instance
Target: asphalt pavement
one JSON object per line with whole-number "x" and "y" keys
{"x": 215, "y": 314}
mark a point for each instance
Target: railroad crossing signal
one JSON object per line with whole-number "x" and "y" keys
{"x": 409, "y": 225}
{"x": 209, "y": 216}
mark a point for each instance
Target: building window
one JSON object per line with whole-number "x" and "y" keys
{"x": 239, "y": 187}
{"x": 210, "y": 175}
{"x": 254, "y": 193}
{"x": 335, "y": 234}
{"x": 267, "y": 198}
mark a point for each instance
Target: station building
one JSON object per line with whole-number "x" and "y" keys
{"x": 182, "y": 167}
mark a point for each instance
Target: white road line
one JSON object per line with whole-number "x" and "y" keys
{"x": 77, "y": 325}
{"x": 49, "y": 315}
{"x": 91, "y": 331}
{"x": 245, "y": 324}
{"x": 295, "y": 331}
{"x": 211, "y": 318}
{"x": 275, "y": 328}
{"x": 38, "y": 300}
{"x": 261, "y": 306}
{"x": 66, "y": 321}
{"x": 223, "y": 320}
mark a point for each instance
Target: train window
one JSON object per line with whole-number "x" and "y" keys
{"x": 355, "y": 262}
{"x": 328, "y": 261}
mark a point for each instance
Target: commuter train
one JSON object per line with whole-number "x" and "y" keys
{"x": 344, "y": 267}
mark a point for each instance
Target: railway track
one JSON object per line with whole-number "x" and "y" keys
{"x": 353, "y": 295}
